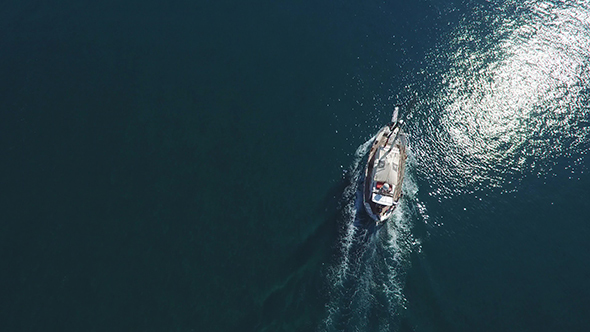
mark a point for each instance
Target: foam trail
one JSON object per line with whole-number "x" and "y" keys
{"x": 366, "y": 281}
{"x": 351, "y": 207}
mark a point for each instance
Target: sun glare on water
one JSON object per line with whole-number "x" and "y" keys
{"x": 514, "y": 105}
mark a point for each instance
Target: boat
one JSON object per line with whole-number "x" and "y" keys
{"x": 384, "y": 172}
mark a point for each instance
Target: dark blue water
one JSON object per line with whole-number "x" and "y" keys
{"x": 192, "y": 166}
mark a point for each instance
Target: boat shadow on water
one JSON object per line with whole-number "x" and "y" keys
{"x": 298, "y": 297}
{"x": 366, "y": 276}
{"x": 344, "y": 274}
{"x": 313, "y": 277}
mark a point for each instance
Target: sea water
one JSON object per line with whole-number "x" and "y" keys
{"x": 193, "y": 166}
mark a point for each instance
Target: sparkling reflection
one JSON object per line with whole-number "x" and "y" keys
{"x": 512, "y": 106}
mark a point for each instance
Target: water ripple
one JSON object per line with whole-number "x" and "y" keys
{"x": 513, "y": 103}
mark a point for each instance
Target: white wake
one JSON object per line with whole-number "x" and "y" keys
{"x": 366, "y": 280}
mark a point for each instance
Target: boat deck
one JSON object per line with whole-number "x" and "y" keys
{"x": 380, "y": 141}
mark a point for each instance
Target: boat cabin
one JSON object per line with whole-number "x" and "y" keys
{"x": 386, "y": 175}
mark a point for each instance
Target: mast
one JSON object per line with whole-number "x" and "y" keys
{"x": 394, "y": 124}
{"x": 395, "y": 114}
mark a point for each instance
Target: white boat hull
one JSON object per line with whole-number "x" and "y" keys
{"x": 384, "y": 173}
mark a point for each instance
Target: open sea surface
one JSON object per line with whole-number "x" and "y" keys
{"x": 194, "y": 165}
